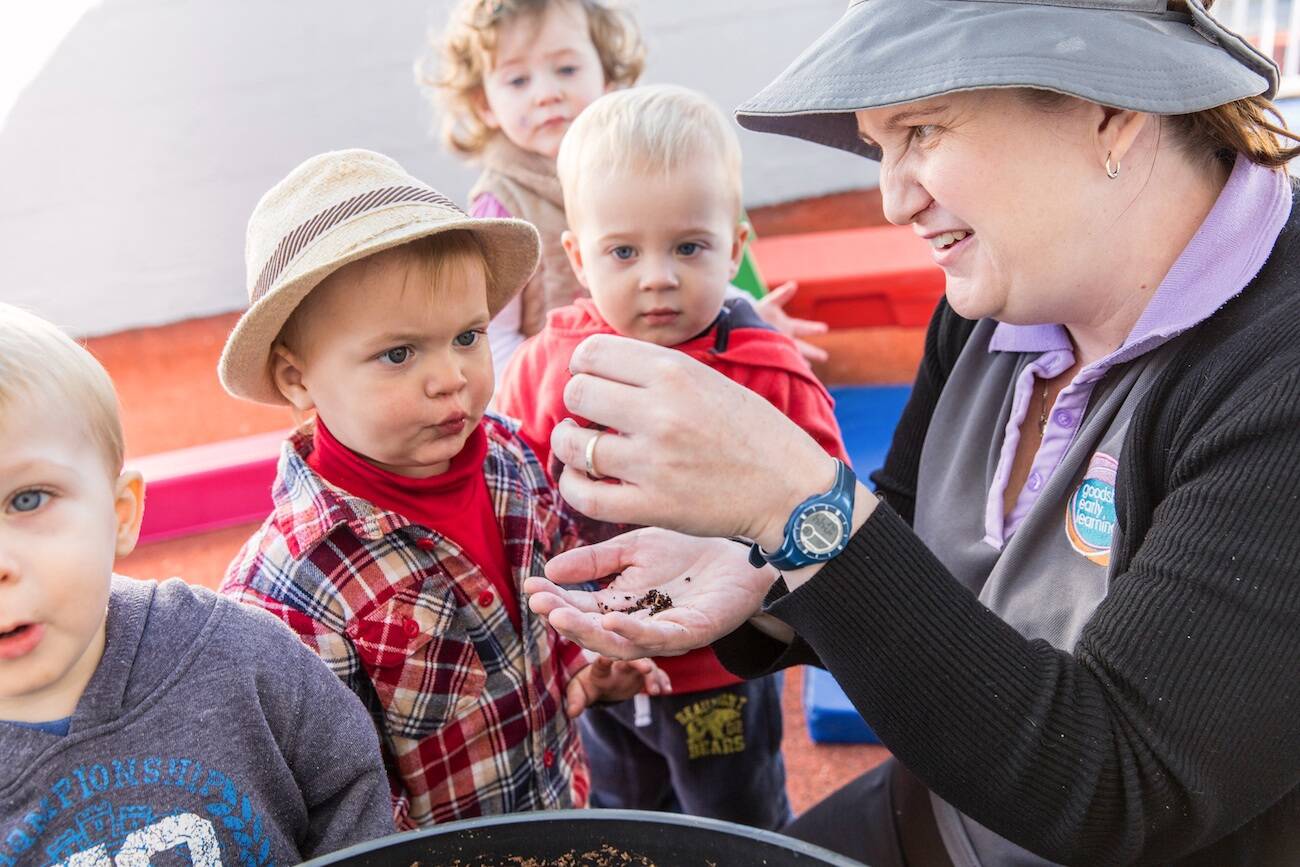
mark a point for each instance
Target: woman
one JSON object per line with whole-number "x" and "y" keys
{"x": 1073, "y": 614}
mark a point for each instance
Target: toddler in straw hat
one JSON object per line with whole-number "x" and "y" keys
{"x": 651, "y": 180}
{"x": 405, "y": 516}
{"x": 140, "y": 718}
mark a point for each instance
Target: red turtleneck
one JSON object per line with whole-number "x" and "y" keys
{"x": 455, "y": 503}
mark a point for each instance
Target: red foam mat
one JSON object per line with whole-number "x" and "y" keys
{"x": 855, "y": 278}
{"x": 208, "y": 487}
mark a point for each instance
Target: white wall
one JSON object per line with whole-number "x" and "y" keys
{"x": 130, "y": 163}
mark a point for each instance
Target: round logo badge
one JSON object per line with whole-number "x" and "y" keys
{"x": 1090, "y": 513}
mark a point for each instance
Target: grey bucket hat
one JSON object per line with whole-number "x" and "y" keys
{"x": 1132, "y": 54}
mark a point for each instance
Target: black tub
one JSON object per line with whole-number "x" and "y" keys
{"x": 663, "y": 839}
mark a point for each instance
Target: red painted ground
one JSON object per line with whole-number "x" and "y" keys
{"x": 813, "y": 771}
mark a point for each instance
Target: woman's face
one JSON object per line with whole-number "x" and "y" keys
{"x": 1009, "y": 196}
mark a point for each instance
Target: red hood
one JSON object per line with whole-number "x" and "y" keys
{"x": 752, "y": 347}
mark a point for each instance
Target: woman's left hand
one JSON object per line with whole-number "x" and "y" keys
{"x": 711, "y": 584}
{"x": 690, "y": 449}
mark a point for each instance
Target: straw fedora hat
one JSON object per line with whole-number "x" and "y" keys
{"x": 333, "y": 209}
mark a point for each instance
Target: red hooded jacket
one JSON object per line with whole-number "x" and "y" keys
{"x": 738, "y": 345}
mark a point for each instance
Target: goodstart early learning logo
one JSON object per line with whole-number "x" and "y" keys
{"x": 1090, "y": 513}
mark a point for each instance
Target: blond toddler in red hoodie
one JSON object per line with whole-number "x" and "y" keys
{"x": 651, "y": 181}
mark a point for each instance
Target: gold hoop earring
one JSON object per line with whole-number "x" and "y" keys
{"x": 1111, "y": 173}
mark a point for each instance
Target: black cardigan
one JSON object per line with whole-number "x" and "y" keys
{"x": 1172, "y": 732}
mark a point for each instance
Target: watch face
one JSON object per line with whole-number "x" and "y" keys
{"x": 820, "y": 531}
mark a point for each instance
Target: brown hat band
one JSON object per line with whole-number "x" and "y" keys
{"x": 293, "y": 243}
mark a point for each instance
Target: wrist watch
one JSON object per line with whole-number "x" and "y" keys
{"x": 818, "y": 528}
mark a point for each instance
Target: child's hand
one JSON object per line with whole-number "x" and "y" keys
{"x": 613, "y": 680}
{"x": 771, "y": 307}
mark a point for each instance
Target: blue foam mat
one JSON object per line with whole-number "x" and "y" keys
{"x": 867, "y": 417}
{"x": 831, "y": 718}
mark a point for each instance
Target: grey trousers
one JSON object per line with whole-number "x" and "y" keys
{"x": 883, "y": 819}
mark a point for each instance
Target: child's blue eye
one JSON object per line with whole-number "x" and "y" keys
{"x": 623, "y": 252}
{"x": 518, "y": 81}
{"x": 690, "y": 248}
{"x": 468, "y": 338}
{"x": 568, "y": 70}
{"x": 398, "y": 355}
{"x": 29, "y": 501}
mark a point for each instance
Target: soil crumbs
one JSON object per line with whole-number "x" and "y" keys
{"x": 605, "y": 856}
{"x": 654, "y": 600}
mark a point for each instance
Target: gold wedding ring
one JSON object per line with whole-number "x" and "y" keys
{"x": 592, "y": 472}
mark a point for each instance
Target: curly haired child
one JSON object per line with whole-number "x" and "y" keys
{"x": 513, "y": 75}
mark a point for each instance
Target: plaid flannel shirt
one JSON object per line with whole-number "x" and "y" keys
{"x": 471, "y": 714}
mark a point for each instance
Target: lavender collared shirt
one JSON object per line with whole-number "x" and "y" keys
{"x": 1223, "y": 256}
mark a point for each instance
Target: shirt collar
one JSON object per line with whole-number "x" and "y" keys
{"x": 346, "y": 469}
{"x": 1224, "y": 255}
{"x": 308, "y": 508}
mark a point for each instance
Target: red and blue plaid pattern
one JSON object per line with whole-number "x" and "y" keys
{"x": 471, "y": 716}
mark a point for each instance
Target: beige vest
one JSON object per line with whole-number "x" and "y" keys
{"x": 526, "y": 184}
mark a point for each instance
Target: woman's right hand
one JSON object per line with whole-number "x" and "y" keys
{"x": 712, "y": 585}
{"x": 693, "y": 451}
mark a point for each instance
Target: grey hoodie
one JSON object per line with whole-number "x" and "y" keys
{"x": 209, "y": 734}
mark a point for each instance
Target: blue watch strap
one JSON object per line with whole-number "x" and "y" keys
{"x": 836, "y": 504}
